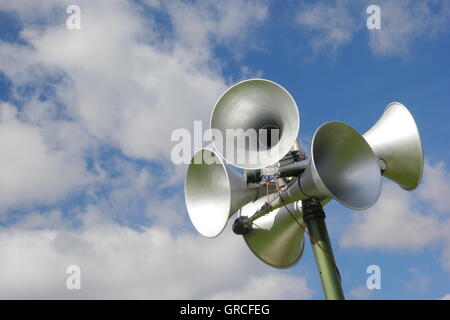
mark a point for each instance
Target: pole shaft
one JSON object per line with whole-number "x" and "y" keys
{"x": 323, "y": 254}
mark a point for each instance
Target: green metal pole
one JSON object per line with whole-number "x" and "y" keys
{"x": 314, "y": 216}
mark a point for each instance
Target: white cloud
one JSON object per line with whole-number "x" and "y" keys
{"x": 330, "y": 27}
{"x": 31, "y": 171}
{"x": 160, "y": 261}
{"x": 117, "y": 262}
{"x": 404, "y": 220}
{"x": 361, "y": 293}
{"x": 32, "y": 11}
{"x": 271, "y": 286}
{"x": 201, "y": 23}
{"x": 446, "y": 297}
{"x": 435, "y": 186}
{"x": 403, "y": 22}
{"x": 392, "y": 223}
{"x": 124, "y": 82}
{"x": 120, "y": 80}
{"x": 122, "y": 90}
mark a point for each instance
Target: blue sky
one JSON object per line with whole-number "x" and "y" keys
{"x": 85, "y": 123}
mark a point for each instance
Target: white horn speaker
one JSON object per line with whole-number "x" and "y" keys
{"x": 277, "y": 238}
{"x": 396, "y": 142}
{"x": 213, "y": 192}
{"x": 247, "y": 110}
{"x": 343, "y": 167}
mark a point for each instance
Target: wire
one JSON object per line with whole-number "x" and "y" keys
{"x": 255, "y": 188}
{"x": 314, "y": 241}
{"x": 267, "y": 182}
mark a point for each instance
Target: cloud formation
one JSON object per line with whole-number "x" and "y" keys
{"x": 406, "y": 220}
{"x": 92, "y": 110}
{"x": 33, "y": 171}
{"x": 331, "y": 26}
{"x": 118, "y": 262}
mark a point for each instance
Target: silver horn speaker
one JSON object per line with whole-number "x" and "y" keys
{"x": 277, "y": 238}
{"x": 396, "y": 142}
{"x": 213, "y": 192}
{"x": 248, "y": 110}
{"x": 343, "y": 167}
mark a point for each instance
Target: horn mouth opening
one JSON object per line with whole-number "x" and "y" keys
{"x": 271, "y": 261}
{"x": 417, "y": 158}
{"x": 395, "y": 138}
{"x": 207, "y": 193}
{"x": 259, "y": 120}
{"x": 346, "y": 165}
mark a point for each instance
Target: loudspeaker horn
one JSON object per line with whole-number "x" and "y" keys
{"x": 213, "y": 192}
{"x": 342, "y": 167}
{"x": 277, "y": 238}
{"x": 396, "y": 142}
{"x": 249, "y": 107}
